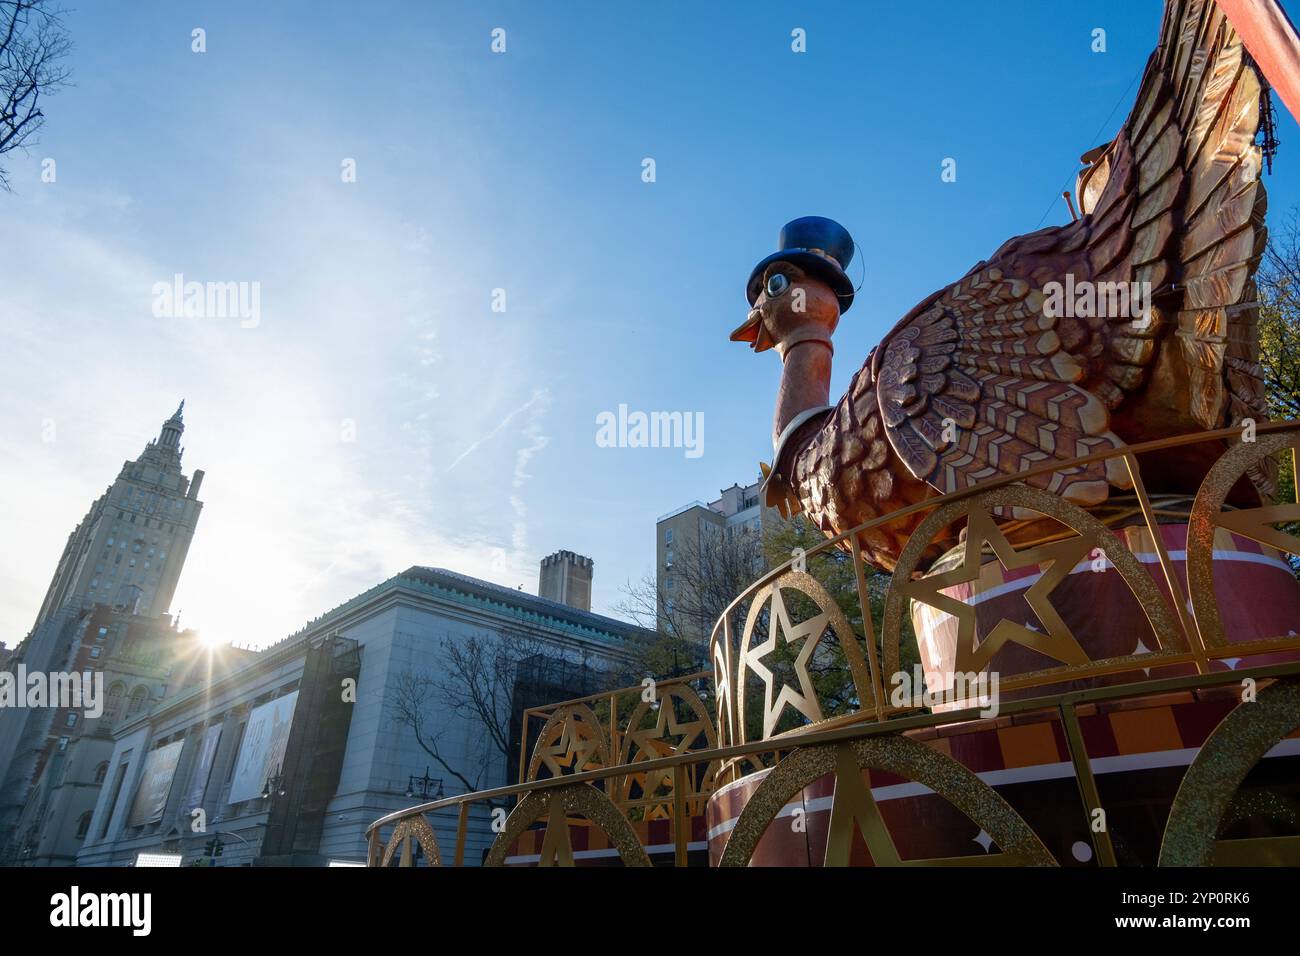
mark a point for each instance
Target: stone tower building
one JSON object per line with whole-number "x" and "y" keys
{"x": 566, "y": 577}
{"x": 128, "y": 550}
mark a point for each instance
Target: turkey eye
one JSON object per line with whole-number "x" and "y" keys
{"x": 777, "y": 284}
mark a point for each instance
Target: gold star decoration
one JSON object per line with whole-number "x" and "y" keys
{"x": 1058, "y": 643}
{"x": 810, "y": 632}
{"x": 1255, "y": 523}
{"x": 651, "y": 743}
{"x": 577, "y": 744}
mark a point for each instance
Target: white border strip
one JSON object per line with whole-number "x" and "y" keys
{"x": 1020, "y": 584}
{"x": 609, "y": 851}
{"x": 1048, "y": 771}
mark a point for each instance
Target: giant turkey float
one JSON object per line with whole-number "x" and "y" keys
{"x": 1085, "y": 649}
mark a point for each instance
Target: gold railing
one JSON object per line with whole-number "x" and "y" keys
{"x": 625, "y": 728}
{"x": 618, "y": 771}
{"x": 1190, "y": 835}
{"x": 1187, "y": 630}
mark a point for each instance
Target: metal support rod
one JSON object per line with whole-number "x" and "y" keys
{"x": 524, "y": 722}
{"x": 1190, "y": 632}
{"x": 462, "y": 830}
{"x": 1087, "y": 785}
{"x": 868, "y": 630}
{"x": 1074, "y": 216}
{"x": 681, "y": 822}
{"x": 613, "y": 726}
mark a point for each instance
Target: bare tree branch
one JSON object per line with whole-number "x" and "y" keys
{"x": 34, "y": 44}
{"x": 487, "y": 680}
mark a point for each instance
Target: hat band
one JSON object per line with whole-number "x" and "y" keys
{"x": 819, "y": 252}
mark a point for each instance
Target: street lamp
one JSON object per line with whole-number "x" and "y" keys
{"x": 274, "y": 784}
{"x": 423, "y": 785}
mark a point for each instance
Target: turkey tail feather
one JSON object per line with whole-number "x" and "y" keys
{"x": 1198, "y": 221}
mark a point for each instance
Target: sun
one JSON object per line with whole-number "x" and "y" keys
{"x": 211, "y": 639}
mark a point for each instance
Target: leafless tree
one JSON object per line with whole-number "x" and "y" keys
{"x": 707, "y": 575}
{"x": 33, "y": 45}
{"x": 1279, "y": 317}
{"x": 487, "y": 680}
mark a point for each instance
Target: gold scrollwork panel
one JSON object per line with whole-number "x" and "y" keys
{"x": 1227, "y": 756}
{"x": 1253, "y": 523}
{"x": 571, "y": 741}
{"x": 678, "y": 713}
{"x": 1058, "y": 641}
{"x": 723, "y": 674}
{"x": 412, "y": 828}
{"x": 808, "y": 634}
{"x": 853, "y": 805}
{"x": 555, "y": 804}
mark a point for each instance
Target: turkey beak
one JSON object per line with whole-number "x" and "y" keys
{"x": 753, "y": 331}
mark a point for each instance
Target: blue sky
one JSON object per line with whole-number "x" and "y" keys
{"x": 475, "y": 430}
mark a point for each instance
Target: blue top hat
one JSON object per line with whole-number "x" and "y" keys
{"x": 819, "y": 246}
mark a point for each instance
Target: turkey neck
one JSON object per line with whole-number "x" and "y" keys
{"x": 805, "y": 379}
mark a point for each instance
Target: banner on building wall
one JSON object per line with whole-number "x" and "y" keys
{"x": 155, "y": 783}
{"x": 198, "y": 782}
{"x": 261, "y": 753}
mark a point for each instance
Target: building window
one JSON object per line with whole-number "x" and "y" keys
{"x": 117, "y": 792}
{"x": 668, "y": 536}
{"x": 63, "y": 741}
{"x": 101, "y": 772}
{"x": 234, "y": 757}
{"x": 70, "y": 722}
{"x": 95, "y": 652}
{"x": 101, "y": 634}
{"x": 138, "y": 698}
{"x": 114, "y": 704}
{"x": 83, "y": 824}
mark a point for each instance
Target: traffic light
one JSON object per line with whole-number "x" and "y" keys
{"x": 213, "y": 847}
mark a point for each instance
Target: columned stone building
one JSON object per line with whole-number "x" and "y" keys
{"x": 288, "y": 758}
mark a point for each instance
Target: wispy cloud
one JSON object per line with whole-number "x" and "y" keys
{"x": 538, "y": 396}
{"x": 536, "y": 442}
{"x": 315, "y": 491}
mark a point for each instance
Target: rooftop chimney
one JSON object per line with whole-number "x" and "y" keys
{"x": 566, "y": 578}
